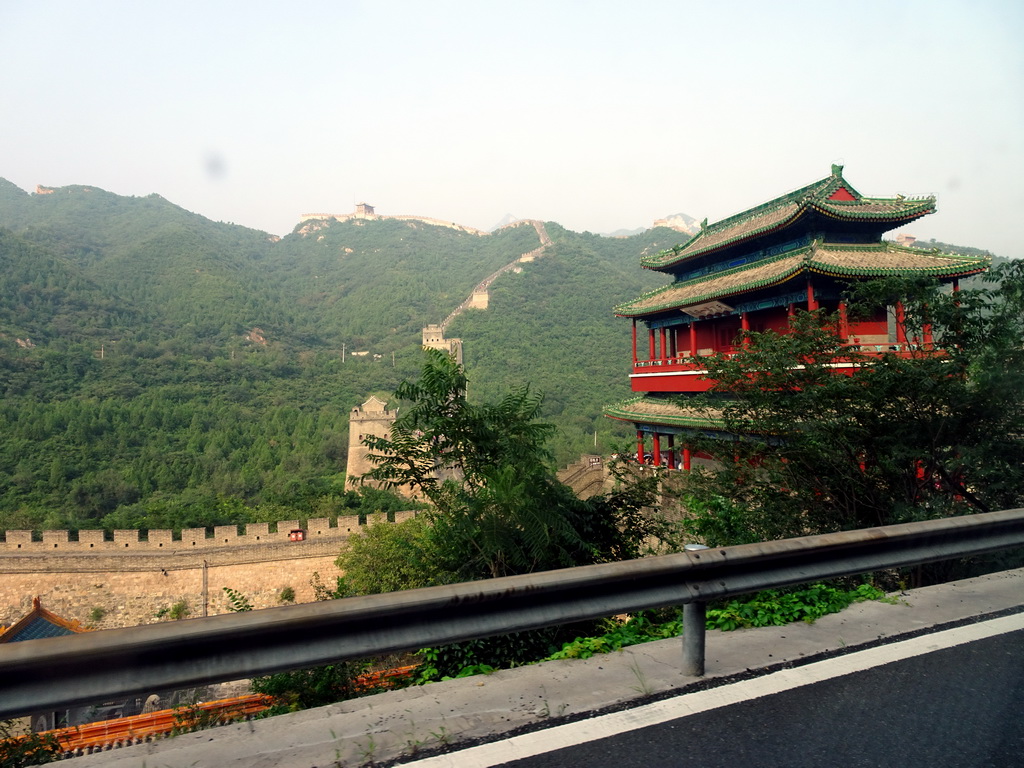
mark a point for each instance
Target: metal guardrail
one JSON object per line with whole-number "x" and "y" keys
{"x": 96, "y": 666}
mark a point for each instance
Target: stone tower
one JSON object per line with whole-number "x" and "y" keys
{"x": 433, "y": 338}
{"x": 370, "y": 418}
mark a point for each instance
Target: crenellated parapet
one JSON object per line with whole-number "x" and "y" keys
{"x": 364, "y": 212}
{"x": 135, "y": 577}
{"x": 156, "y": 541}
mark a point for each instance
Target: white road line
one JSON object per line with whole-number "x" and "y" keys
{"x": 582, "y": 731}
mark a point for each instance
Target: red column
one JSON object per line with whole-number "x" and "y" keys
{"x": 634, "y": 341}
{"x": 926, "y": 331}
{"x": 693, "y": 338}
{"x": 662, "y": 337}
{"x": 639, "y": 447}
{"x": 651, "y": 344}
{"x": 657, "y": 450}
{"x": 687, "y": 458}
{"x": 844, "y": 324}
{"x": 745, "y": 326}
{"x": 812, "y": 303}
{"x": 901, "y": 324}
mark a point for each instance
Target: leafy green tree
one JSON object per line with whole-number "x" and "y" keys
{"x": 387, "y": 557}
{"x": 933, "y": 433}
{"x": 498, "y": 507}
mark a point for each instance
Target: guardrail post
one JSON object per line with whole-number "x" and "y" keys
{"x": 694, "y": 617}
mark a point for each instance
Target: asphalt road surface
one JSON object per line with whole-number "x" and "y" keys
{"x": 961, "y": 706}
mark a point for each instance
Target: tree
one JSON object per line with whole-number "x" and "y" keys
{"x": 498, "y": 507}
{"x": 387, "y": 557}
{"x": 934, "y": 433}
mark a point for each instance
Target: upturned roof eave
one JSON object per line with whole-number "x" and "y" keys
{"x": 956, "y": 266}
{"x": 813, "y": 195}
{"x": 622, "y": 412}
{"x": 648, "y": 262}
{"x": 894, "y": 218}
{"x": 843, "y": 211}
{"x": 622, "y": 309}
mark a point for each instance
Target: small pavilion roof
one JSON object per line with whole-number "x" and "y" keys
{"x": 836, "y": 260}
{"x": 39, "y": 623}
{"x": 831, "y": 197}
{"x": 652, "y": 410}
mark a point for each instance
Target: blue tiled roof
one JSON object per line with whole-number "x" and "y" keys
{"x": 38, "y": 628}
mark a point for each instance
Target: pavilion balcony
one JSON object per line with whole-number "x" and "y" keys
{"x": 674, "y": 374}
{"x": 686, "y": 373}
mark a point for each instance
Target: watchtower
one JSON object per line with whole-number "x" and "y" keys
{"x": 370, "y": 418}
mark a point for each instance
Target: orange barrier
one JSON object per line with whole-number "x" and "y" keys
{"x": 137, "y": 728}
{"x": 122, "y": 731}
{"x": 385, "y": 678}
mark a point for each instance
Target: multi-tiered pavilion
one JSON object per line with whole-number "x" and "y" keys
{"x": 753, "y": 271}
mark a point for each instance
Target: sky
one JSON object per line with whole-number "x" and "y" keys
{"x": 597, "y": 115}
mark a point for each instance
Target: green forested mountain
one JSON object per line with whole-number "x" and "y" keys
{"x": 186, "y": 276}
{"x": 161, "y": 369}
{"x": 378, "y": 282}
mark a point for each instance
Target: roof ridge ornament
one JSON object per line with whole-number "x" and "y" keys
{"x": 837, "y": 170}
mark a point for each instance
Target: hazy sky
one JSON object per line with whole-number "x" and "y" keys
{"x": 597, "y": 115}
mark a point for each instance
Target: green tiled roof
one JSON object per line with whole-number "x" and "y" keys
{"x": 841, "y": 261}
{"x": 784, "y": 210}
{"x": 648, "y": 410}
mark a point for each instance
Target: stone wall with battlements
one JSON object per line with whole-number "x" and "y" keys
{"x": 131, "y": 578}
{"x": 377, "y": 217}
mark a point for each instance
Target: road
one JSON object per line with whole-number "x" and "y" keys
{"x": 959, "y": 706}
